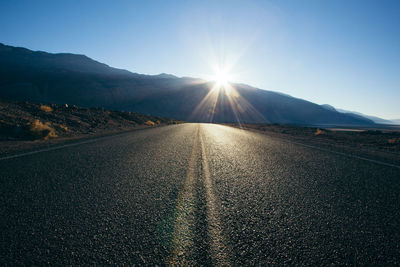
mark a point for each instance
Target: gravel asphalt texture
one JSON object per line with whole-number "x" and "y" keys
{"x": 197, "y": 194}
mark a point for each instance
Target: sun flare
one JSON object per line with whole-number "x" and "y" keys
{"x": 222, "y": 78}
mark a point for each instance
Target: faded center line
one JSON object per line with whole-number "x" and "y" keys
{"x": 183, "y": 236}
{"x": 218, "y": 248}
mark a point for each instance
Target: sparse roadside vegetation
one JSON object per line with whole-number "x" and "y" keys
{"x": 46, "y": 108}
{"x": 149, "y": 123}
{"x": 39, "y": 130}
{"x": 26, "y": 123}
{"x": 319, "y": 132}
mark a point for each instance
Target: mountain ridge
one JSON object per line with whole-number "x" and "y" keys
{"x": 375, "y": 119}
{"x": 77, "y": 79}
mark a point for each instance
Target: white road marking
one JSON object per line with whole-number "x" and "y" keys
{"x": 55, "y": 147}
{"x": 347, "y": 155}
{"x": 323, "y": 149}
{"x": 50, "y": 149}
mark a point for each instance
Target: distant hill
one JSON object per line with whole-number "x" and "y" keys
{"x": 77, "y": 79}
{"x": 361, "y": 115}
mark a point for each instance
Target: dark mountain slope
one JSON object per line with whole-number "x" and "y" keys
{"x": 79, "y": 80}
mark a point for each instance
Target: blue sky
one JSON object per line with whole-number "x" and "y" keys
{"x": 341, "y": 52}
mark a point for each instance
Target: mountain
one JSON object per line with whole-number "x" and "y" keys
{"x": 76, "y": 79}
{"x": 373, "y": 118}
{"x": 361, "y": 115}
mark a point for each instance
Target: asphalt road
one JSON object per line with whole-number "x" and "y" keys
{"x": 197, "y": 194}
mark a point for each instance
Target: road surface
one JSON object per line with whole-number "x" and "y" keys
{"x": 197, "y": 194}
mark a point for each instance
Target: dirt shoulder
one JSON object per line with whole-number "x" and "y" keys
{"x": 8, "y": 148}
{"x": 374, "y": 143}
{"x": 28, "y": 126}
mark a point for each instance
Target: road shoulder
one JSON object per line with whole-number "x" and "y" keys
{"x": 371, "y": 153}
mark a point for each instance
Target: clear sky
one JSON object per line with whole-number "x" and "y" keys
{"x": 341, "y": 52}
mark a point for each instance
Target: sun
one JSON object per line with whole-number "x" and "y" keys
{"x": 222, "y": 78}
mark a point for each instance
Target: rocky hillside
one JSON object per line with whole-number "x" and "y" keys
{"x": 30, "y": 121}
